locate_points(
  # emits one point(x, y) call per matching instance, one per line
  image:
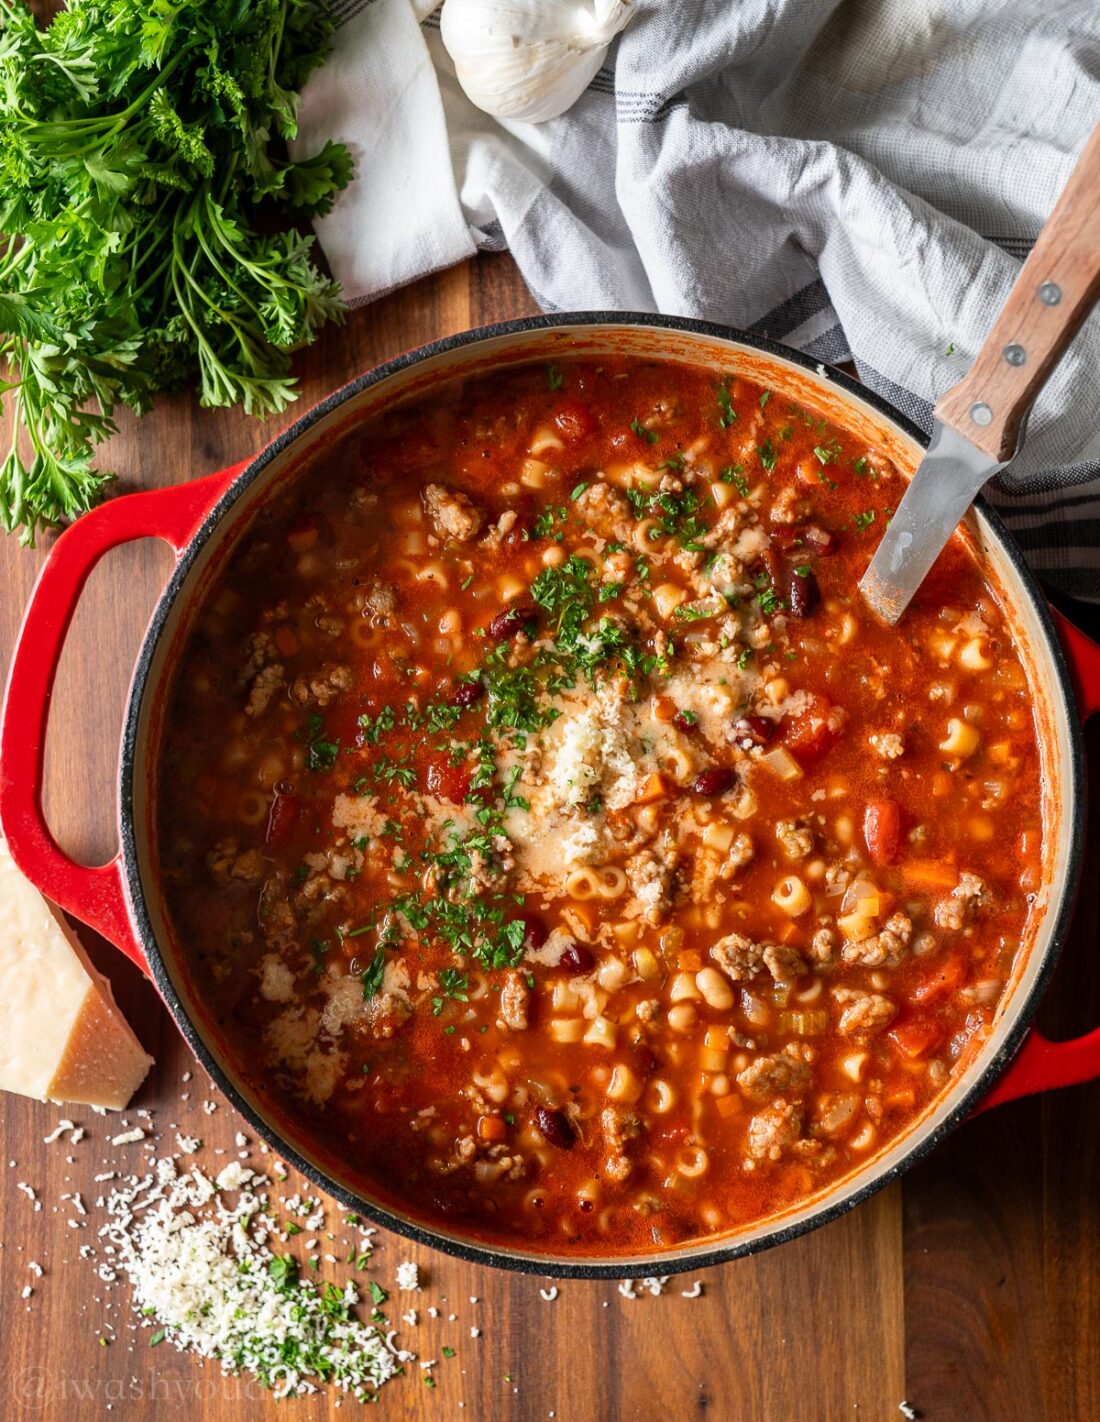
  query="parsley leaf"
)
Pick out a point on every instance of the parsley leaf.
point(734, 474)
point(727, 414)
point(372, 976)
point(138, 144)
point(320, 753)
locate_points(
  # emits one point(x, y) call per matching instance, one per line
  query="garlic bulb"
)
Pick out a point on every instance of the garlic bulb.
point(529, 59)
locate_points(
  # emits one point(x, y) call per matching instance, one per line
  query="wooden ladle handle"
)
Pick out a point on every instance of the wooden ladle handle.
point(1056, 289)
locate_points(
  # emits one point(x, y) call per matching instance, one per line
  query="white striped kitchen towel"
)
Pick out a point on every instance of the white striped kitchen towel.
point(857, 178)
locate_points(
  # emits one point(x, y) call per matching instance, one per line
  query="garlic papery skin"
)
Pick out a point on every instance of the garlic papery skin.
point(529, 59)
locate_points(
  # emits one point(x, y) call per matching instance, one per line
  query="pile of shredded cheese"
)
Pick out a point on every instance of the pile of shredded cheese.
point(204, 1274)
point(214, 1266)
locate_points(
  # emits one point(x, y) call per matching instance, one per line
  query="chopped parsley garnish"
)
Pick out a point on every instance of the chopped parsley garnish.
point(579, 490)
point(394, 772)
point(676, 514)
point(283, 1271)
point(543, 526)
point(320, 753)
point(802, 570)
point(374, 727)
point(371, 978)
point(744, 659)
point(826, 453)
point(727, 414)
point(734, 474)
point(767, 455)
point(688, 716)
point(466, 584)
point(377, 1293)
point(454, 985)
point(770, 602)
point(610, 591)
point(554, 378)
point(675, 462)
point(650, 436)
point(864, 519)
point(765, 396)
point(692, 614)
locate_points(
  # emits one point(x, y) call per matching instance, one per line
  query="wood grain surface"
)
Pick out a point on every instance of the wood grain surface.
point(971, 1290)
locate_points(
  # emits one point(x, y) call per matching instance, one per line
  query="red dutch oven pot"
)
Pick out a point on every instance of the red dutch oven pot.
point(203, 520)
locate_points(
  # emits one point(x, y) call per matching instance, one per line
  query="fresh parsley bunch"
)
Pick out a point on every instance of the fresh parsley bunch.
point(140, 142)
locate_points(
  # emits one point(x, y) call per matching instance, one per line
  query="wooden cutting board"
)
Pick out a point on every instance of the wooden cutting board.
point(971, 1290)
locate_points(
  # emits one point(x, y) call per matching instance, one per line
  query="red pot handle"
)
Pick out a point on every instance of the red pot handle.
point(1040, 1064)
point(96, 895)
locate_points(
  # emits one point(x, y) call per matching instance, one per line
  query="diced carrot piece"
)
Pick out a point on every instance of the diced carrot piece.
point(727, 1106)
point(301, 539)
point(655, 788)
point(903, 1098)
point(942, 979)
point(491, 1128)
point(286, 641)
point(789, 933)
point(929, 873)
point(689, 961)
point(915, 1037)
point(942, 783)
point(664, 708)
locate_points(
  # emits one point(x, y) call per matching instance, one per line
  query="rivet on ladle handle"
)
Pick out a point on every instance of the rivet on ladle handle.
point(1057, 288)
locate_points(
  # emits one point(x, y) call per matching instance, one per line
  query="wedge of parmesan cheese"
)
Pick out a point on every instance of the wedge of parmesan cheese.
point(61, 1036)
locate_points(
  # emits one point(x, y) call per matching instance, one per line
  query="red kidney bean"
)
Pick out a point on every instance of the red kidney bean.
point(685, 723)
point(510, 621)
point(715, 780)
point(535, 932)
point(757, 730)
point(465, 693)
point(576, 958)
point(882, 831)
point(770, 564)
point(555, 1126)
point(803, 593)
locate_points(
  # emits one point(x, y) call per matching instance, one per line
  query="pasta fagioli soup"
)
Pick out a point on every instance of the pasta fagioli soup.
point(556, 835)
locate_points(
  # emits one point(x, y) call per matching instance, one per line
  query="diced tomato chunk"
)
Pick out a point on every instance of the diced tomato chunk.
point(452, 782)
point(943, 978)
point(916, 1036)
point(882, 831)
point(574, 420)
point(282, 818)
point(812, 731)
